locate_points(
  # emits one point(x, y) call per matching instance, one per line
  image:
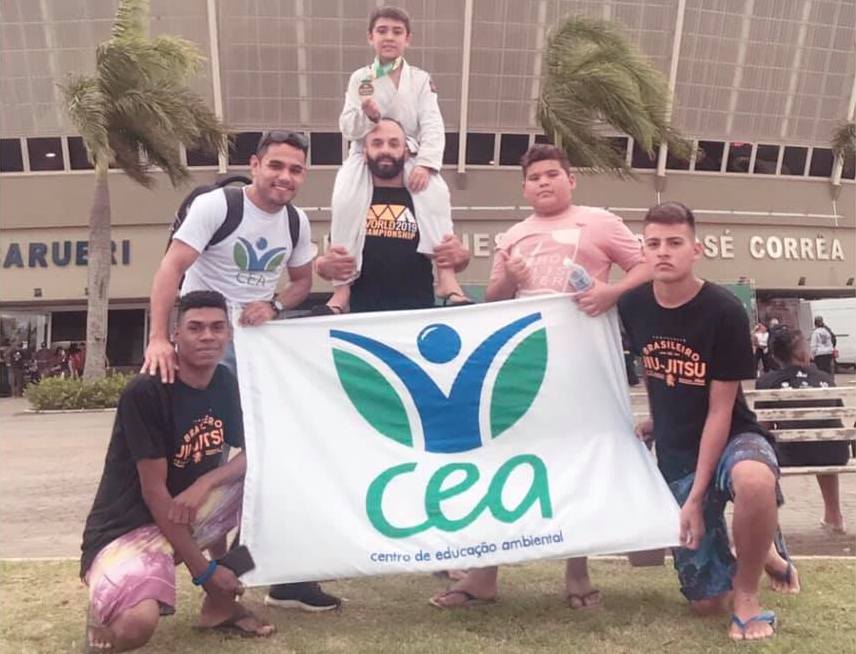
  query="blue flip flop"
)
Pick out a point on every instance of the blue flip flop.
point(765, 616)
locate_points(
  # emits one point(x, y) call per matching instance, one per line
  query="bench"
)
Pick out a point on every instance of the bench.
point(846, 414)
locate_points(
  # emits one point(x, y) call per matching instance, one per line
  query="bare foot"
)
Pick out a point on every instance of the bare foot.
point(453, 575)
point(579, 591)
point(784, 577)
point(99, 638)
point(836, 527)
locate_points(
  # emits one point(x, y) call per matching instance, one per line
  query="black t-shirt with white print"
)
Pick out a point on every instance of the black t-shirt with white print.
point(184, 425)
point(683, 350)
point(394, 275)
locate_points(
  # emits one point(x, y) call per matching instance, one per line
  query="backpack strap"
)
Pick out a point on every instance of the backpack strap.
point(234, 214)
point(293, 225)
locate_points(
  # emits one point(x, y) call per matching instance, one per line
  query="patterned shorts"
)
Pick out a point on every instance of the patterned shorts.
point(139, 565)
point(707, 571)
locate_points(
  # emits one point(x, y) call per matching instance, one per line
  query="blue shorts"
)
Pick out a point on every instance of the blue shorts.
point(707, 571)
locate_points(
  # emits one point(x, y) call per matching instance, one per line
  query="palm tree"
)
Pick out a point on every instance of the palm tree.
point(593, 77)
point(844, 140)
point(133, 112)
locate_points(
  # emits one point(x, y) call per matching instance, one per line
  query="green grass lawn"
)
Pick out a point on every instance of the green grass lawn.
point(43, 605)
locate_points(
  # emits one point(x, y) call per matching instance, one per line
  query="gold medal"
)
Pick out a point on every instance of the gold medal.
point(366, 90)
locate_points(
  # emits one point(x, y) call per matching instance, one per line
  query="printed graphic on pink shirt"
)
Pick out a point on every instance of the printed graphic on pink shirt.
point(545, 254)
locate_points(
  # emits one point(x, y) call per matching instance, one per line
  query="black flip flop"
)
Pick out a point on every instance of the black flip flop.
point(469, 600)
point(230, 625)
point(447, 303)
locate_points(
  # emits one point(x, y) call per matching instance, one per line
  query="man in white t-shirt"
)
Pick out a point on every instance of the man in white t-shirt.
point(245, 267)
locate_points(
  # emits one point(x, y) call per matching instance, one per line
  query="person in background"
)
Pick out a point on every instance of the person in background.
point(823, 344)
point(774, 328)
point(792, 351)
point(17, 358)
point(75, 361)
point(761, 342)
point(44, 360)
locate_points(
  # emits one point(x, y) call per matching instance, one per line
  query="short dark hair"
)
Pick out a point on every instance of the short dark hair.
point(785, 344)
point(391, 13)
point(544, 152)
point(201, 300)
point(294, 139)
point(818, 321)
point(671, 213)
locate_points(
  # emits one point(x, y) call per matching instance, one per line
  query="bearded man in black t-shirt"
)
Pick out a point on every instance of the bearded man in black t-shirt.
point(164, 496)
point(394, 275)
point(693, 339)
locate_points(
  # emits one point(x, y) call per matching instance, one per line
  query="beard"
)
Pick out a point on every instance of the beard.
point(385, 166)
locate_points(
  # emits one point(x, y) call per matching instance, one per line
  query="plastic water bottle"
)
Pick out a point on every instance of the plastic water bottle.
point(578, 278)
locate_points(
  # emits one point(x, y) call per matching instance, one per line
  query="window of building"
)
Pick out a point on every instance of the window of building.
point(326, 148)
point(543, 138)
point(68, 326)
point(849, 169)
point(480, 149)
point(766, 159)
point(739, 155)
point(450, 154)
point(511, 148)
point(619, 143)
point(11, 157)
point(821, 162)
point(45, 153)
point(677, 162)
point(197, 157)
point(125, 337)
point(793, 160)
point(641, 159)
point(243, 146)
point(709, 155)
point(77, 154)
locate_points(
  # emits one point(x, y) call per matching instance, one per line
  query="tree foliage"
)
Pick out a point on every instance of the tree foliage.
point(844, 140)
point(136, 109)
point(594, 78)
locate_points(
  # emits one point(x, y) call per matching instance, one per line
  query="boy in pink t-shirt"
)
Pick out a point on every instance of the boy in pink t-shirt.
point(531, 256)
point(531, 259)
point(593, 238)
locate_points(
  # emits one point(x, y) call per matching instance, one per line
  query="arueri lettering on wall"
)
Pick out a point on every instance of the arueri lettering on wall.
point(60, 253)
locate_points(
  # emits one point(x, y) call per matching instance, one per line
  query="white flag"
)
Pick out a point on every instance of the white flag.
point(415, 441)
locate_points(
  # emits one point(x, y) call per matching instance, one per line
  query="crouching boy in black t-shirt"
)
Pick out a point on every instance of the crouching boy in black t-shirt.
point(164, 497)
point(694, 341)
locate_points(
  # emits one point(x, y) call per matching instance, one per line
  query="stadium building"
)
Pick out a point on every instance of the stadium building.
point(760, 85)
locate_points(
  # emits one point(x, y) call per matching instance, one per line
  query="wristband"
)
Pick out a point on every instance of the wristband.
point(205, 577)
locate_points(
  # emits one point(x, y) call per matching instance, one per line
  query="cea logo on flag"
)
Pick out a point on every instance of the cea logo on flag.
point(450, 423)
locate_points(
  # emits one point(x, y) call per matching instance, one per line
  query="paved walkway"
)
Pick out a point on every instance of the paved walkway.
point(50, 466)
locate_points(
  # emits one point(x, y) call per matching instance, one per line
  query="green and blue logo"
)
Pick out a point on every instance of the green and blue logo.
point(253, 258)
point(450, 422)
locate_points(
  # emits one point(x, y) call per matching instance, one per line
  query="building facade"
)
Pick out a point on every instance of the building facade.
point(760, 85)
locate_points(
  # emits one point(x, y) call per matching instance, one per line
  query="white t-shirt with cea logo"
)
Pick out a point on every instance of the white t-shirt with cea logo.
point(246, 265)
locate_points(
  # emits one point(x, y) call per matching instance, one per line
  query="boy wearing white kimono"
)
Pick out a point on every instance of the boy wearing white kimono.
point(391, 88)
